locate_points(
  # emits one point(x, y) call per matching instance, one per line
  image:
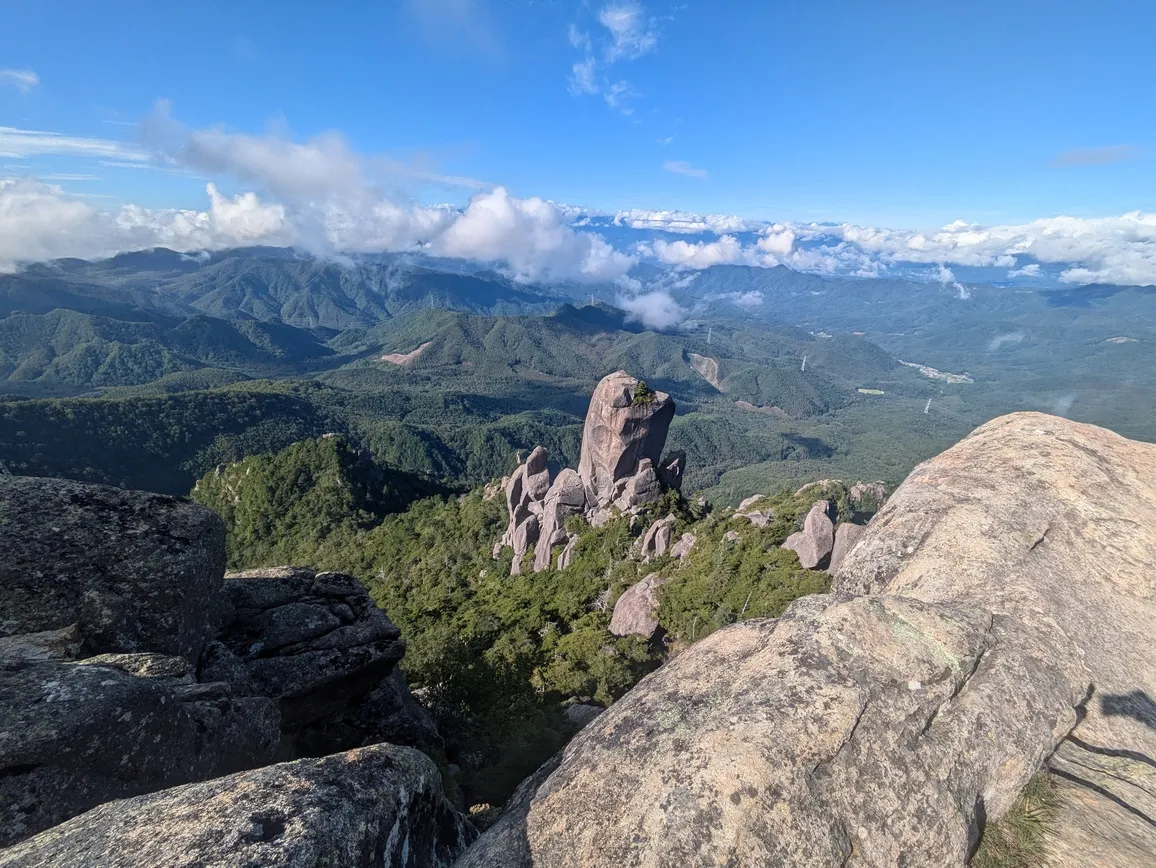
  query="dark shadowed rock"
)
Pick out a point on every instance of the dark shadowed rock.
point(134, 571)
point(74, 735)
point(846, 535)
point(1011, 593)
point(320, 647)
point(618, 433)
point(814, 542)
point(671, 470)
point(369, 808)
point(636, 611)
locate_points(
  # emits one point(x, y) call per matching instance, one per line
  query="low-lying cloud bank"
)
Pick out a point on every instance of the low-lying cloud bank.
point(322, 196)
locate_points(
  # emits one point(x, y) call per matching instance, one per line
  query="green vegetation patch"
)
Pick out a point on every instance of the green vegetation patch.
point(1018, 839)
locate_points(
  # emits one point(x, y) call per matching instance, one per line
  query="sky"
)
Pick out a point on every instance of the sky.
point(844, 137)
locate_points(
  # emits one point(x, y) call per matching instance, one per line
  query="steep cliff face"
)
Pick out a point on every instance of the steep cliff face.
point(995, 616)
point(624, 426)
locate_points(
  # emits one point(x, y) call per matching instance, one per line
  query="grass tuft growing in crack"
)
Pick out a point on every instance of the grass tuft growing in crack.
point(1017, 840)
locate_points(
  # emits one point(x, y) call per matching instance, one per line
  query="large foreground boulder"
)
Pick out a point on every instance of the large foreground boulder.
point(134, 571)
point(376, 807)
point(1010, 591)
point(74, 735)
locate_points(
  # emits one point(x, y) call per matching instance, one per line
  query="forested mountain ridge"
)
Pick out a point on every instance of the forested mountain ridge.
point(186, 361)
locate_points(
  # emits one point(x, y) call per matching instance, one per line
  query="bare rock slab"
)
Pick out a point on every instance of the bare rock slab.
point(1007, 593)
point(135, 571)
point(368, 808)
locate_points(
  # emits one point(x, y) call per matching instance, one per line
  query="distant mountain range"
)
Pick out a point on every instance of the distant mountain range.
point(448, 369)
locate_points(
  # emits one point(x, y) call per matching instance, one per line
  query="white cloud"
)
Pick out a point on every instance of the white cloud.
point(20, 143)
point(1005, 340)
point(39, 221)
point(21, 79)
point(318, 195)
point(728, 250)
point(1031, 270)
point(655, 309)
point(1095, 156)
point(627, 34)
point(631, 31)
point(533, 236)
point(582, 78)
point(778, 240)
point(682, 167)
point(682, 221)
point(751, 299)
point(617, 96)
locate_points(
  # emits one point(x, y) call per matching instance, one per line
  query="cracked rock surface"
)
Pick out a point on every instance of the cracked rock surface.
point(375, 807)
point(998, 608)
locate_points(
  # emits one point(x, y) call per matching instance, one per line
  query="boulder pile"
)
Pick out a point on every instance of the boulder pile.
point(619, 470)
point(129, 664)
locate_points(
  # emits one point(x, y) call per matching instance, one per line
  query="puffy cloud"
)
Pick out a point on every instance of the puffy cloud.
point(533, 236)
point(778, 240)
point(21, 79)
point(682, 167)
point(1031, 270)
point(655, 309)
point(728, 250)
point(319, 195)
point(38, 221)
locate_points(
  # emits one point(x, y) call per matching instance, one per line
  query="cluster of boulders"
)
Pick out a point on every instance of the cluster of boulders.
point(129, 664)
point(995, 618)
point(619, 471)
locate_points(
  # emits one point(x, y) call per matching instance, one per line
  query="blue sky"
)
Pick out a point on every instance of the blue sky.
point(893, 114)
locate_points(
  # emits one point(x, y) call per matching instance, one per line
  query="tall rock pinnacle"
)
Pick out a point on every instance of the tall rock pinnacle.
point(623, 427)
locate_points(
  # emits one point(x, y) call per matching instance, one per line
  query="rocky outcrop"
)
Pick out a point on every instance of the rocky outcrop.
point(684, 546)
point(636, 612)
point(318, 646)
point(759, 516)
point(1007, 596)
point(525, 491)
point(846, 535)
point(368, 808)
point(622, 428)
point(655, 542)
point(564, 498)
point(618, 469)
point(74, 735)
point(133, 571)
point(146, 669)
point(813, 544)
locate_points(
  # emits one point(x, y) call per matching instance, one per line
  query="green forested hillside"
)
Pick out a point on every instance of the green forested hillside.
point(496, 657)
